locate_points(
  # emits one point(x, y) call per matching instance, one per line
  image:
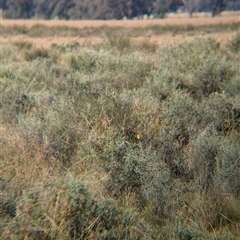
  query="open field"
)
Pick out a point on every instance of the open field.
point(172, 20)
point(161, 40)
point(175, 29)
point(120, 129)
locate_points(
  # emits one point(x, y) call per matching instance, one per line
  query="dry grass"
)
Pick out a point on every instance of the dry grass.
point(172, 20)
point(169, 38)
point(125, 126)
point(161, 40)
point(47, 42)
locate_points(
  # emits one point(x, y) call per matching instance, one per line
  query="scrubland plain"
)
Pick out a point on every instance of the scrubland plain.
point(172, 20)
point(120, 129)
point(169, 26)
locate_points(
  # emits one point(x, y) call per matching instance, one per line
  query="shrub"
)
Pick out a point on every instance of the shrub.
point(232, 87)
point(146, 46)
point(23, 45)
point(15, 99)
point(183, 231)
point(203, 153)
point(63, 208)
point(33, 54)
point(227, 169)
point(204, 71)
point(132, 168)
point(120, 72)
point(234, 44)
point(219, 111)
point(126, 138)
point(119, 41)
point(8, 53)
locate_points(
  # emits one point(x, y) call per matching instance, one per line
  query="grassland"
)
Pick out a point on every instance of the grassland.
point(172, 20)
point(171, 30)
point(111, 133)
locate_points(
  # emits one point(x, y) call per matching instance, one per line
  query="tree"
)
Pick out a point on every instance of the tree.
point(141, 7)
point(192, 6)
point(108, 9)
point(161, 7)
point(175, 4)
point(18, 8)
point(218, 6)
point(3, 4)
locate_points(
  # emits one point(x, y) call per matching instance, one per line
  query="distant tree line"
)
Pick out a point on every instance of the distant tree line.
point(108, 9)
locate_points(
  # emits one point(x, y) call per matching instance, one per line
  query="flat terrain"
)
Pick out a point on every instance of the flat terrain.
point(116, 130)
point(172, 20)
point(162, 40)
point(168, 38)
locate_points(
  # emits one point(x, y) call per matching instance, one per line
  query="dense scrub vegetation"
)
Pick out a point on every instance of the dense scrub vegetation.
point(120, 140)
point(108, 9)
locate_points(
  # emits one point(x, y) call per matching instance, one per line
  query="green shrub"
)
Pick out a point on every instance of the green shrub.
point(64, 209)
point(220, 111)
point(85, 62)
point(126, 135)
point(227, 168)
point(8, 53)
point(146, 46)
point(234, 44)
point(73, 46)
point(132, 168)
point(15, 97)
point(204, 71)
point(33, 54)
point(184, 231)
point(23, 44)
point(14, 30)
point(120, 72)
point(203, 153)
point(232, 87)
point(119, 41)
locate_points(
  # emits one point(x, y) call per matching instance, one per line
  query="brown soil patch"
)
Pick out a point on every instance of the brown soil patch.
point(172, 20)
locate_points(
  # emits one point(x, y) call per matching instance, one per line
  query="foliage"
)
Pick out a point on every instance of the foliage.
point(119, 140)
point(105, 9)
point(66, 210)
point(234, 44)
